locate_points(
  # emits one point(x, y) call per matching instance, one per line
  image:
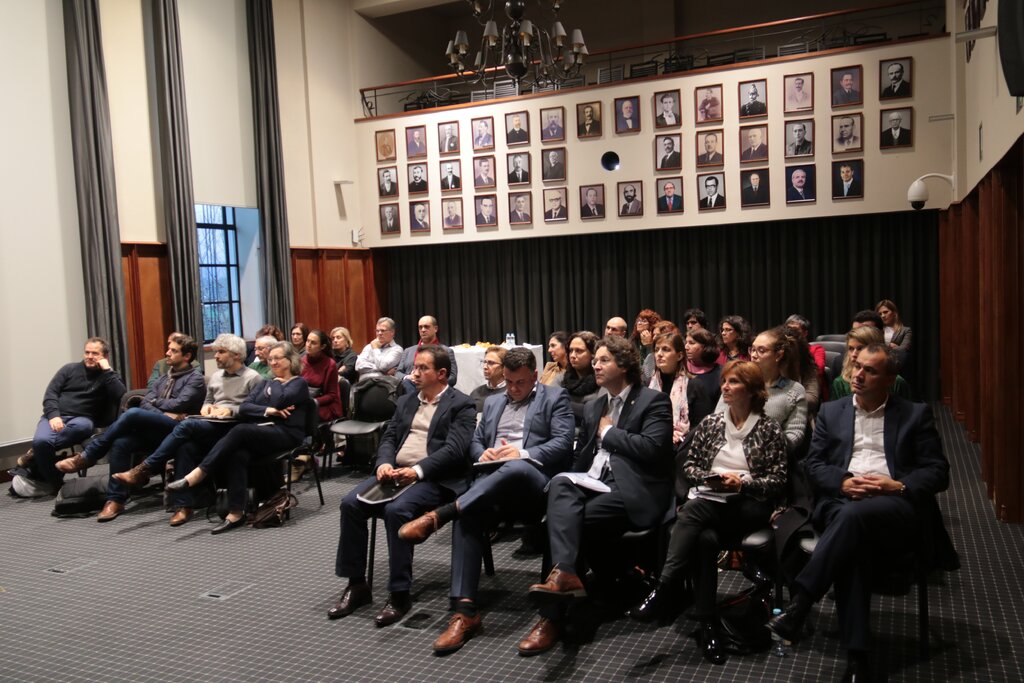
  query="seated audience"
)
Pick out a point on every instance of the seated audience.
point(427, 328)
point(494, 377)
point(733, 339)
point(530, 426)
point(265, 331)
point(558, 350)
point(177, 394)
point(80, 397)
point(343, 353)
point(801, 327)
point(160, 367)
point(647, 366)
point(298, 337)
point(427, 442)
point(694, 318)
point(897, 335)
point(865, 318)
point(380, 356)
point(857, 340)
point(701, 349)
point(735, 475)
point(804, 370)
point(282, 401)
point(615, 327)
point(321, 375)
point(643, 332)
point(262, 348)
point(579, 378)
point(671, 378)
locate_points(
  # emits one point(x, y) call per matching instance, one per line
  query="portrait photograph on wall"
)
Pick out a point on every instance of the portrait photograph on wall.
point(591, 201)
point(753, 98)
point(419, 216)
point(483, 172)
point(518, 167)
point(448, 137)
point(848, 179)
point(520, 208)
point(517, 128)
point(710, 147)
point(670, 195)
point(800, 184)
point(556, 204)
point(387, 185)
point(799, 138)
point(553, 120)
point(707, 104)
point(417, 174)
point(452, 210)
point(451, 175)
point(896, 77)
point(588, 120)
point(630, 194)
point(667, 113)
point(483, 133)
point(416, 142)
point(486, 209)
point(755, 187)
point(847, 86)
point(667, 156)
point(627, 115)
point(387, 150)
point(799, 91)
point(847, 133)
point(390, 222)
point(710, 191)
point(753, 143)
point(897, 126)
point(553, 163)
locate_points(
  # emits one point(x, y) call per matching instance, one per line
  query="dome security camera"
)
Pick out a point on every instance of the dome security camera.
point(917, 194)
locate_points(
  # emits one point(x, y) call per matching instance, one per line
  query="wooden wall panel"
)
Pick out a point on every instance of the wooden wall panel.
point(336, 287)
point(147, 282)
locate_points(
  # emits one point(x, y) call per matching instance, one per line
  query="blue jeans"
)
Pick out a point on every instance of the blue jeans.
point(47, 442)
point(137, 430)
point(204, 433)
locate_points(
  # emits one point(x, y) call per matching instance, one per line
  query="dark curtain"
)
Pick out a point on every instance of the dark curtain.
point(176, 170)
point(278, 305)
point(94, 180)
point(825, 268)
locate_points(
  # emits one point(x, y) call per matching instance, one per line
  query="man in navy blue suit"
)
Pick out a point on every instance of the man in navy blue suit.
point(426, 442)
point(876, 464)
point(529, 427)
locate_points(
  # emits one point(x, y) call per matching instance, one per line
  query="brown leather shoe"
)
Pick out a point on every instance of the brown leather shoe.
point(26, 458)
point(394, 609)
point(461, 628)
point(354, 597)
point(560, 584)
point(181, 516)
point(419, 529)
point(110, 511)
point(544, 635)
point(136, 477)
point(73, 464)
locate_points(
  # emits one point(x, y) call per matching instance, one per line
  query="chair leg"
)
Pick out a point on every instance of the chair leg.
point(316, 478)
point(488, 556)
point(373, 549)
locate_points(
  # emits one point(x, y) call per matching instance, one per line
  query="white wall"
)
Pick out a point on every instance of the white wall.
point(41, 294)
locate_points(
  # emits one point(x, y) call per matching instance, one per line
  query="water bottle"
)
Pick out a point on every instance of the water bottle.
point(779, 646)
point(508, 339)
point(512, 338)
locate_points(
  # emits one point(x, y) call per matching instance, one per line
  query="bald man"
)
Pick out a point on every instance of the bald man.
point(427, 328)
point(615, 327)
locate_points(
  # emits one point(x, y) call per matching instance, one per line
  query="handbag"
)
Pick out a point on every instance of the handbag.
point(273, 511)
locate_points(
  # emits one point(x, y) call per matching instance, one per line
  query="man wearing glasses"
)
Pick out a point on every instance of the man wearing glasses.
point(382, 355)
point(427, 327)
point(494, 377)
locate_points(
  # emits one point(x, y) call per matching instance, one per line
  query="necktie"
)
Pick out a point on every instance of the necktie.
point(601, 459)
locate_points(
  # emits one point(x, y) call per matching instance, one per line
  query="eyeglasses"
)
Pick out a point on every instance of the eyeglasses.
point(759, 350)
point(489, 363)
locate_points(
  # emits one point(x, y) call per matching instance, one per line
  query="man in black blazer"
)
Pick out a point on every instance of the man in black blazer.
point(620, 480)
point(529, 426)
point(756, 192)
point(846, 184)
point(426, 442)
point(896, 135)
point(876, 464)
point(670, 157)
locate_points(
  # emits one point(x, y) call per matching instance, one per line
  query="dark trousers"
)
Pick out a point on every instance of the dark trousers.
point(137, 430)
point(516, 487)
point(204, 433)
point(352, 544)
point(47, 442)
point(701, 528)
point(854, 536)
point(237, 449)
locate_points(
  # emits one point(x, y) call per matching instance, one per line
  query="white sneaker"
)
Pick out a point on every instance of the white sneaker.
point(31, 488)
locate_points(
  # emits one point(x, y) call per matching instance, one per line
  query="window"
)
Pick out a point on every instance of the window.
point(217, 238)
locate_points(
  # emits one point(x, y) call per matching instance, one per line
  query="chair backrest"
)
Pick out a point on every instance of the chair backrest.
point(375, 402)
point(131, 399)
point(837, 346)
point(831, 337)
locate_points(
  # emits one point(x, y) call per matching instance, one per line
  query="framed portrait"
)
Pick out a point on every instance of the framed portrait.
point(667, 156)
point(517, 128)
point(848, 179)
point(799, 92)
point(553, 164)
point(847, 133)
point(417, 177)
point(387, 181)
point(895, 77)
point(387, 150)
point(753, 143)
point(419, 216)
point(800, 184)
point(710, 147)
point(799, 138)
point(520, 208)
point(451, 175)
point(847, 86)
point(448, 137)
point(753, 98)
point(518, 166)
point(486, 208)
point(630, 196)
point(483, 133)
point(627, 115)
point(451, 210)
point(556, 205)
point(588, 120)
point(710, 191)
point(390, 220)
point(667, 112)
point(670, 195)
point(707, 104)
point(591, 201)
point(483, 172)
point(553, 120)
point(416, 142)
point(755, 187)
point(897, 127)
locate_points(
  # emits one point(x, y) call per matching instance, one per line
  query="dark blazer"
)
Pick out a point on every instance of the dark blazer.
point(512, 177)
point(640, 448)
point(889, 92)
point(556, 172)
point(887, 140)
point(454, 184)
point(447, 438)
point(717, 203)
point(755, 108)
point(514, 135)
point(749, 196)
point(484, 220)
point(842, 97)
point(548, 428)
point(855, 189)
point(793, 196)
point(555, 132)
point(676, 203)
point(710, 159)
point(271, 393)
point(750, 153)
point(385, 192)
point(596, 212)
point(595, 128)
point(418, 185)
point(672, 160)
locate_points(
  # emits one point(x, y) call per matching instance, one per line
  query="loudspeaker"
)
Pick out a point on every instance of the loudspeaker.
point(1011, 44)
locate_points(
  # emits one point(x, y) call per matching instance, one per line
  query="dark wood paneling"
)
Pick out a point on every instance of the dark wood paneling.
point(147, 282)
point(336, 287)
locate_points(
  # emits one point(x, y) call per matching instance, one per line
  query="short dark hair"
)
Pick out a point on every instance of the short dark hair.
point(750, 374)
point(104, 344)
point(519, 357)
point(325, 341)
point(695, 313)
point(705, 338)
point(187, 344)
point(869, 316)
point(624, 354)
point(439, 356)
point(892, 364)
point(589, 340)
point(800, 320)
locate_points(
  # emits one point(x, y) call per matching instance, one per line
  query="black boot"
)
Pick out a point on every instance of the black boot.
point(711, 647)
point(790, 624)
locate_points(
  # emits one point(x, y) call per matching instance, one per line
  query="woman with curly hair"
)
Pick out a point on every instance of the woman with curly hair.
point(733, 339)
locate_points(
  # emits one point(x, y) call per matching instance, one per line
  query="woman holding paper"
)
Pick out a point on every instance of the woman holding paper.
point(735, 473)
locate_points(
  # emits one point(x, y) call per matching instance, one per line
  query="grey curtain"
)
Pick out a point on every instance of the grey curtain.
point(176, 170)
point(94, 180)
point(276, 257)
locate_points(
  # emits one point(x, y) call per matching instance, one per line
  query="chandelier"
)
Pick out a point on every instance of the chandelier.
point(529, 54)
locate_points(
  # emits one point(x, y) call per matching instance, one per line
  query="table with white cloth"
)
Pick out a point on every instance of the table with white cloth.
point(471, 359)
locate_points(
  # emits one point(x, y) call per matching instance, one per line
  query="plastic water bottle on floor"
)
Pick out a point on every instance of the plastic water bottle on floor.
point(779, 646)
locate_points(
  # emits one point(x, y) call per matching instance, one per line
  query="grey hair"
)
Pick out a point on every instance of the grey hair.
point(388, 321)
point(232, 344)
point(268, 339)
point(290, 355)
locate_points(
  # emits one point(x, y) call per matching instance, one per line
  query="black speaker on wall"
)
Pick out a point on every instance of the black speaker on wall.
point(1011, 44)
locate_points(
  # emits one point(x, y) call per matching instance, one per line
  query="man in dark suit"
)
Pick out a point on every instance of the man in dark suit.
point(626, 119)
point(529, 426)
point(757, 150)
point(417, 147)
point(554, 167)
point(417, 183)
point(554, 130)
point(519, 213)
point(623, 465)
point(753, 106)
point(631, 204)
point(711, 155)
point(799, 190)
point(590, 125)
point(558, 211)
point(486, 215)
point(418, 217)
point(426, 442)
point(388, 188)
point(876, 464)
point(516, 133)
point(590, 208)
point(518, 175)
point(484, 176)
point(712, 198)
point(670, 157)
point(846, 94)
point(896, 135)
point(670, 201)
point(897, 86)
point(756, 192)
point(846, 184)
point(449, 140)
point(450, 181)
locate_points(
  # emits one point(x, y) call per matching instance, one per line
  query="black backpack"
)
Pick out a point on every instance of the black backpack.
point(81, 496)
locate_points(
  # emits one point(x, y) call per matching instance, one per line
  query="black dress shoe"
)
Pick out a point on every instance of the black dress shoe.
point(228, 526)
point(857, 670)
point(664, 602)
point(354, 597)
point(711, 648)
point(790, 624)
point(394, 609)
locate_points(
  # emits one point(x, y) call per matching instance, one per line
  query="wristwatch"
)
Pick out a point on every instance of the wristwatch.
point(902, 490)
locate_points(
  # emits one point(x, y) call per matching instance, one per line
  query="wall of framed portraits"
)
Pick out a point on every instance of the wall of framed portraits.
point(841, 133)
